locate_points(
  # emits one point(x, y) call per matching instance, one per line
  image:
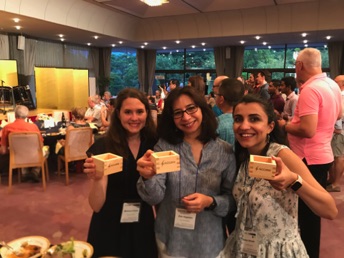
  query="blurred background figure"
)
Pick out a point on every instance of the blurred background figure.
point(197, 82)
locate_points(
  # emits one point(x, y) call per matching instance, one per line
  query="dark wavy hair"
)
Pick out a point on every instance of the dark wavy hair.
point(276, 135)
point(116, 136)
point(168, 130)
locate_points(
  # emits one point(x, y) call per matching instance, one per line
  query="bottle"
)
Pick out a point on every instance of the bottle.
point(63, 120)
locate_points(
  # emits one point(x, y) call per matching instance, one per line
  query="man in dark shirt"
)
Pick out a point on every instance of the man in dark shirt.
point(276, 97)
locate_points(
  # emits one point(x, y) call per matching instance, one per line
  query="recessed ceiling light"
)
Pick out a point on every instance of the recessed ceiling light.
point(242, 42)
point(269, 47)
point(328, 37)
point(193, 46)
point(120, 42)
point(61, 35)
point(305, 41)
point(145, 43)
point(18, 27)
point(16, 20)
point(257, 37)
point(88, 44)
point(113, 45)
point(142, 46)
point(177, 41)
point(304, 34)
point(164, 47)
point(203, 43)
point(204, 49)
point(177, 50)
point(264, 43)
point(306, 45)
point(96, 37)
point(62, 39)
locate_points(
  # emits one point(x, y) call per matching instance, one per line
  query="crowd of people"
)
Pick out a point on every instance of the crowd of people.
point(211, 206)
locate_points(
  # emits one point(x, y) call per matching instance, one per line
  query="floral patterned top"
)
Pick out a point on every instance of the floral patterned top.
point(270, 213)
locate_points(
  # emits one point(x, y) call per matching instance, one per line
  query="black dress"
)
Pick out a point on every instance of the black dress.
point(107, 235)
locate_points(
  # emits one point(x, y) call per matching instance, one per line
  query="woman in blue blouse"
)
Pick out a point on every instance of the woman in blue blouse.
point(192, 201)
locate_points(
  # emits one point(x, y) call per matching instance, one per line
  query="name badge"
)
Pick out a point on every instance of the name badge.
point(249, 243)
point(130, 212)
point(184, 219)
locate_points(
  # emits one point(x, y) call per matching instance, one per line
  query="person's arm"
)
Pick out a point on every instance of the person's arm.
point(306, 128)
point(97, 195)
point(311, 192)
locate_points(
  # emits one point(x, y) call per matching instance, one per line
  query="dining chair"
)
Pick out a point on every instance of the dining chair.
point(26, 150)
point(78, 140)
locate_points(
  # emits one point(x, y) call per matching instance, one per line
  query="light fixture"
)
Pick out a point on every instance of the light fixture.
point(142, 46)
point(146, 43)
point(113, 45)
point(305, 41)
point(62, 39)
point(177, 41)
point(61, 35)
point(304, 34)
point(242, 42)
point(120, 42)
point(16, 20)
point(18, 27)
point(164, 47)
point(193, 46)
point(264, 43)
point(306, 45)
point(88, 44)
point(257, 37)
point(328, 37)
point(203, 43)
point(96, 37)
point(155, 2)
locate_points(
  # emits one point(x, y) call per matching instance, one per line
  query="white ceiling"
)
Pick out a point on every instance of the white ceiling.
point(157, 25)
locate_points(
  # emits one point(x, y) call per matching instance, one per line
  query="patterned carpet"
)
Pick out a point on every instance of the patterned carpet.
point(63, 212)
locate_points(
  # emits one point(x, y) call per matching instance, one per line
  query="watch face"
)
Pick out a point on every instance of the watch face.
point(296, 186)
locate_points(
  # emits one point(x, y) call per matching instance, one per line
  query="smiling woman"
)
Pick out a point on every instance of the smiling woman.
point(113, 197)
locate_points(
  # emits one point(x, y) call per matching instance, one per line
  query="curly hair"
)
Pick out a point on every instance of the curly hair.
point(167, 128)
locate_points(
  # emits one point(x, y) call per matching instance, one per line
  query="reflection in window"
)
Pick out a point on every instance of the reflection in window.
point(170, 59)
point(124, 71)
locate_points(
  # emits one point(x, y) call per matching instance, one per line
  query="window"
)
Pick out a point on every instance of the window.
point(124, 71)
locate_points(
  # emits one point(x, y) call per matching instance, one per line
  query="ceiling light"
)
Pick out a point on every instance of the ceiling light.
point(177, 41)
point(204, 49)
point(305, 41)
point(142, 46)
point(62, 39)
point(146, 43)
point(120, 42)
point(113, 45)
point(164, 47)
point(304, 34)
point(154, 2)
point(61, 35)
point(242, 42)
point(18, 27)
point(177, 50)
point(203, 44)
point(257, 37)
point(269, 47)
point(328, 37)
point(264, 43)
point(16, 20)
point(96, 37)
point(306, 45)
point(88, 44)
point(193, 46)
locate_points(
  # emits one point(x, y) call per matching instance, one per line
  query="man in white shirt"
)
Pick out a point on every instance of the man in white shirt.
point(92, 114)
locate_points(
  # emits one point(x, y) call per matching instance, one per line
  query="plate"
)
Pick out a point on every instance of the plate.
point(79, 247)
point(43, 242)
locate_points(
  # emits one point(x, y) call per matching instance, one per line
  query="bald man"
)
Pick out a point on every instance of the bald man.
point(337, 143)
point(310, 133)
point(216, 86)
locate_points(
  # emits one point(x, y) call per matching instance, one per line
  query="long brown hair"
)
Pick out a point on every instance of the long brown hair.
point(116, 136)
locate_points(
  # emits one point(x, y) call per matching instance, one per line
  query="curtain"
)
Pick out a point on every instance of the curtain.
point(146, 61)
point(94, 59)
point(140, 58)
point(4, 47)
point(220, 60)
point(336, 58)
point(236, 61)
point(107, 61)
point(49, 54)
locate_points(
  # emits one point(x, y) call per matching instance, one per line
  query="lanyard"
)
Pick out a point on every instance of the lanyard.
point(180, 176)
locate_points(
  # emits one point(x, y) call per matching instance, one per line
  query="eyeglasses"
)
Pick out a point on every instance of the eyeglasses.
point(189, 110)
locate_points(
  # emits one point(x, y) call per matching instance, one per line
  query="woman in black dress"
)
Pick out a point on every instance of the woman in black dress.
point(131, 134)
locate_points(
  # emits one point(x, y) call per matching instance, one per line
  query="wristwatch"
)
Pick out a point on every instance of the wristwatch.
point(296, 185)
point(212, 206)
